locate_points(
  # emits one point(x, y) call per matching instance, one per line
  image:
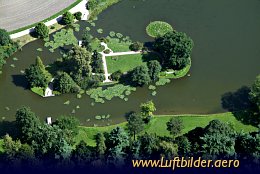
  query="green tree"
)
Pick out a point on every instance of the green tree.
point(255, 92)
point(184, 145)
point(37, 75)
point(70, 126)
point(78, 62)
point(87, 40)
point(11, 148)
point(116, 143)
point(26, 154)
point(175, 48)
point(4, 37)
point(82, 154)
point(68, 18)
point(97, 63)
point(41, 30)
point(218, 140)
point(135, 124)
point(147, 108)
point(50, 141)
point(27, 123)
point(116, 75)
point(175, 126)
point(78, 15)
point(148, 145)
point(136, 46)
point(65, 84)
point(168, 149)
point(154, 69)
point(140, 76)
point(101, 146)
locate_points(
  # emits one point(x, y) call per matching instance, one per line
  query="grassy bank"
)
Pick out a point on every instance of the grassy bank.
point(97, 7)
point(158, 125)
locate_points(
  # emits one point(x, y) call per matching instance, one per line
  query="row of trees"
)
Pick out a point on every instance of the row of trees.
point(7, 46)
point(39, 144)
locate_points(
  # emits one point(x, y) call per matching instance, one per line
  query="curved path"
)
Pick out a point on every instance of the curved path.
point(15, 14)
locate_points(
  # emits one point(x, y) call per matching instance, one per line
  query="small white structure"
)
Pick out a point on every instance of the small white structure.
point(49, 120)
point(80, 43)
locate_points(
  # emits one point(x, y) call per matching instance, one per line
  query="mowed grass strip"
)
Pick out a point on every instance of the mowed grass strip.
point(158, 125)
point(124, 63)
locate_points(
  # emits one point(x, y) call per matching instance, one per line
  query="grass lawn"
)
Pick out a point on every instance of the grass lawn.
point(123, 63)
point(178, 74)
point(118, 46)
point(38, 91)
point(158, 125)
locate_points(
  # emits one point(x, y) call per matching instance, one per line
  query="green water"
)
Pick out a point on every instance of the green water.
point(226, 56)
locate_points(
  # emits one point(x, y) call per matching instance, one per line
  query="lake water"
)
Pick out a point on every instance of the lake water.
point(226, 57)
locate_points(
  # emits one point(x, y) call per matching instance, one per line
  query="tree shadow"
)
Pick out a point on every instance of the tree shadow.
point(9, 127)
point(239, 104)
point(20, 81)
point(151, 56)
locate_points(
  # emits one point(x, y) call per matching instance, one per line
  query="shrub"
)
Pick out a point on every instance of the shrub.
point(116, 75)
point(107, 51)
point(136, 46)
point(78, 15)
point(67, 18)
point(41, 30)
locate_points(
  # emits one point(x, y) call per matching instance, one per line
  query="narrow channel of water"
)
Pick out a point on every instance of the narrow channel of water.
point(226, 56)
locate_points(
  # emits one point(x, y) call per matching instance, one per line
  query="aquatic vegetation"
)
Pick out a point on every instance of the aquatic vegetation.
point(39, 49)
point(162, 81)
point(158, 28)
point(66, 102)
point(100, 95)
point(112, 34)
point(152, 87)
point(15, 59)
point(61, 38)
point(100, 30)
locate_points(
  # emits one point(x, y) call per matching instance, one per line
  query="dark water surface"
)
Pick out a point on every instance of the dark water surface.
point(226, 56)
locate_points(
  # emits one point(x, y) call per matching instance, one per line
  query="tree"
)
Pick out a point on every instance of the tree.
point(27, 123)
point(37, 75)
point(175, 48)
point(136, 46)
point(140, 76)
point(218, 140)
point(101, 146)
point(147, 108)
point(82, 154)
point(175, 126)
point(65, 84)
point(184, 145)
point(116, 143)
point(116, 75)
point(86, 41)
point(97, 63)
point(70, 126)
point(255, 92)
point(50, 141)
point(78, 15)
point(148, 145)
point(78, 63)
point(168, 149)
point(11, 148)
point(154, 69)
point(4, 37)
point(68, 18)
point(41, 30)
point(245, 145)
point(135, 124)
